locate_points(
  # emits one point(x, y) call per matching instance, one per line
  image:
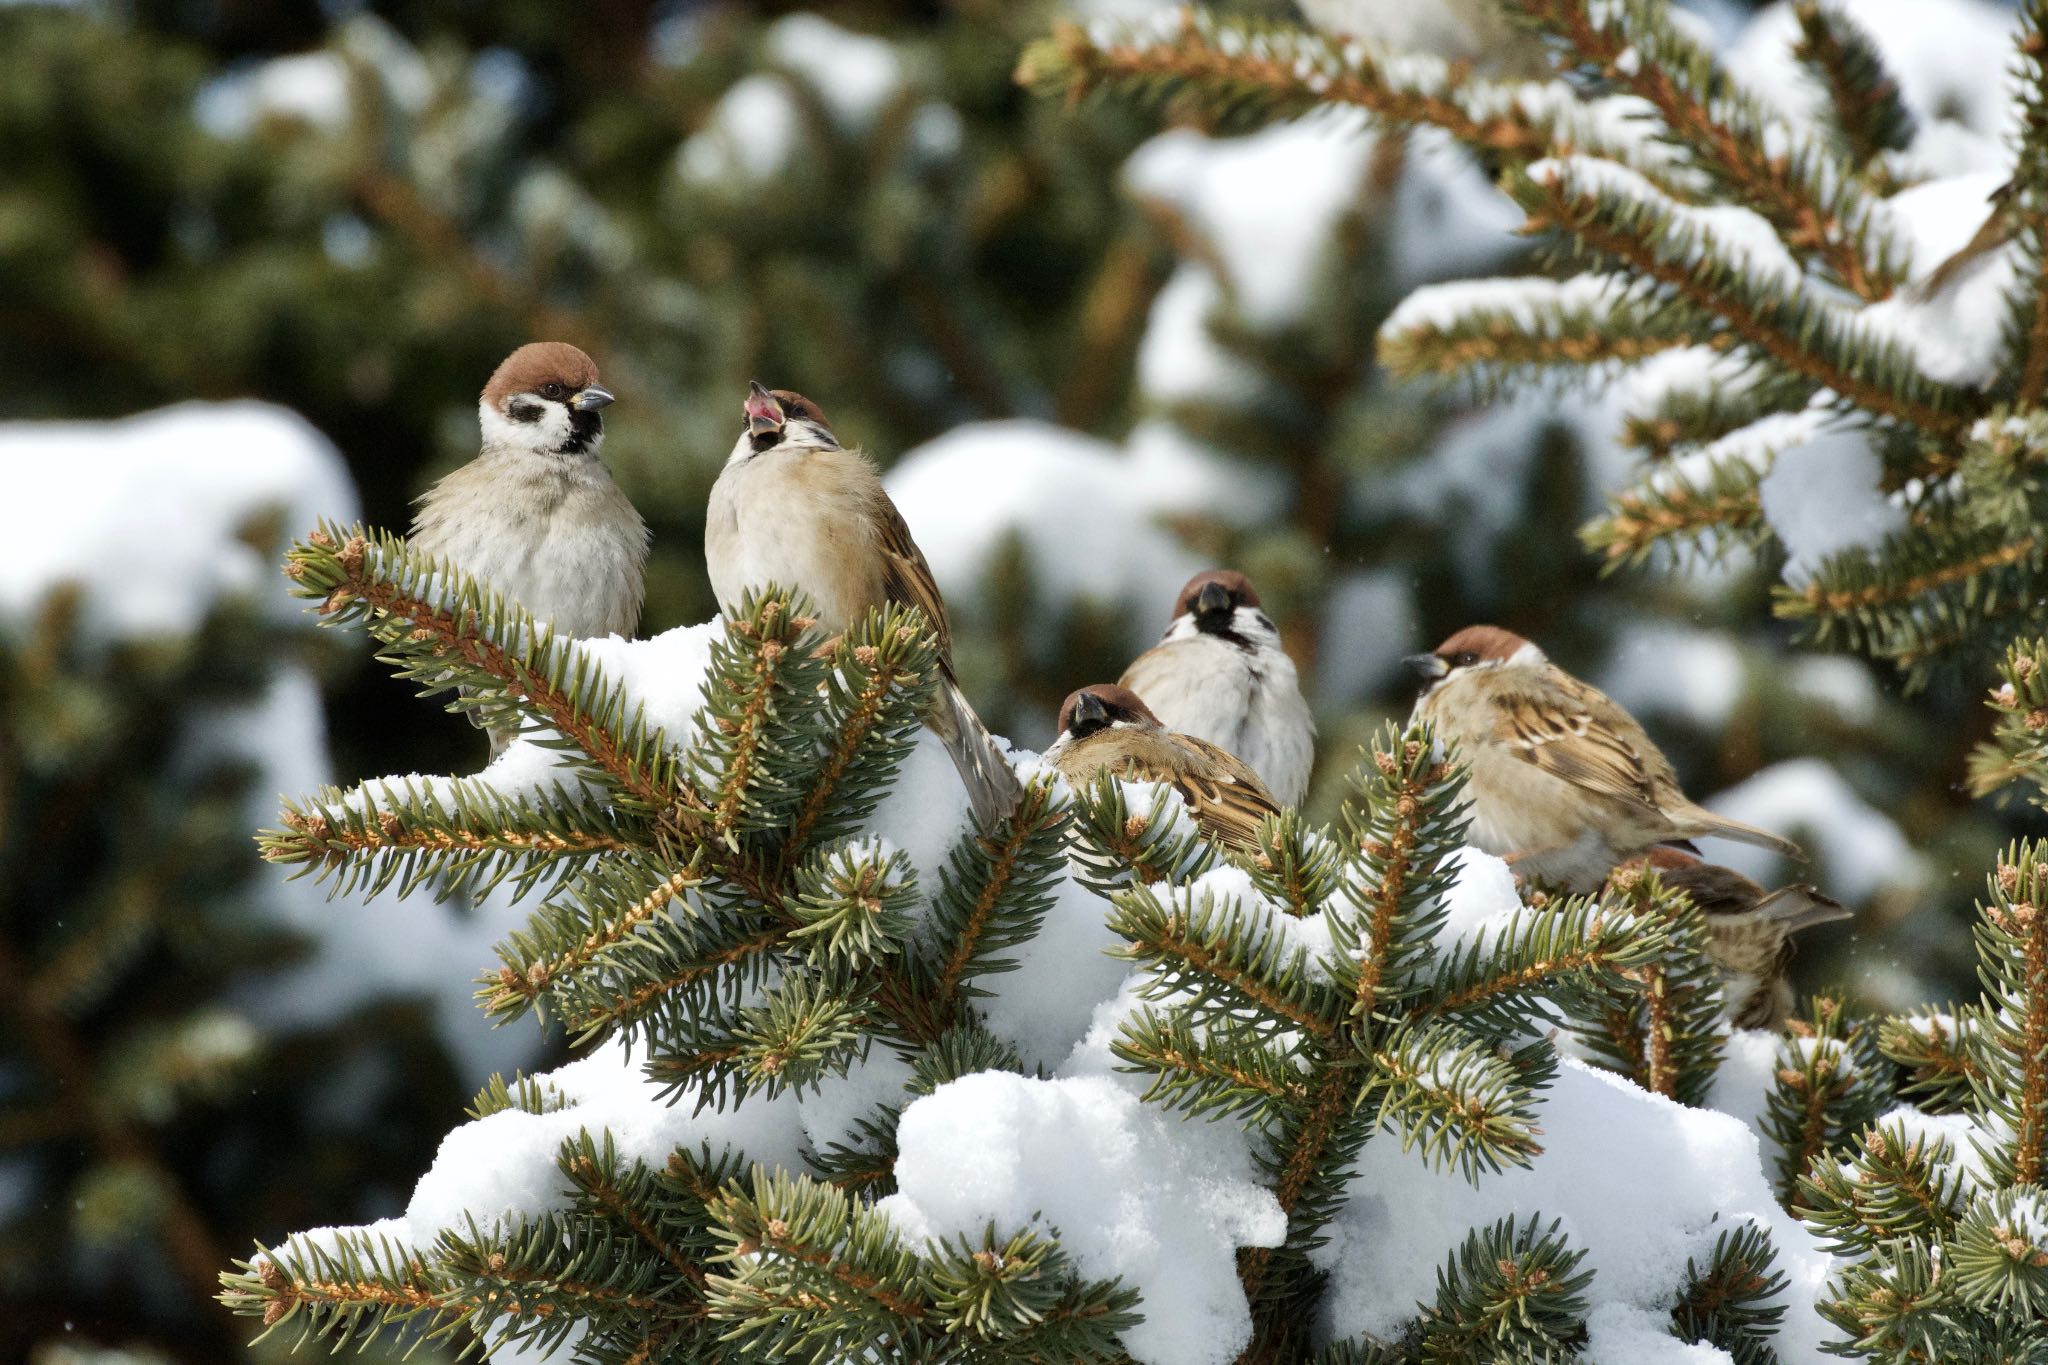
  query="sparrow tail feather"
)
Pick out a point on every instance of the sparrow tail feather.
point(992, 787)
point(1800, 907)
point(1714, 826)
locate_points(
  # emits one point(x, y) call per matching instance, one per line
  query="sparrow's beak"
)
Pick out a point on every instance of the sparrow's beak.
point(1212, 600)
point(592, 397)
point(1089, 710)
point(764, 414)
point(1426, 666)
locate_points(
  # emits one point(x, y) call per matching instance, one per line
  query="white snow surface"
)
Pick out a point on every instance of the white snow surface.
point(1638, 1182)
point(1087, 1159)
point(749, 136)
point(141, 514)
point(1823, 498)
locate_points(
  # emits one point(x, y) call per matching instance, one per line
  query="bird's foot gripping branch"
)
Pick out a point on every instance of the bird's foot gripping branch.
point(841, 1085)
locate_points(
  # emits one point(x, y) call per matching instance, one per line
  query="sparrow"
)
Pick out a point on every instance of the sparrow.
point(1561, 782)
point(794, 507)
point(535, 516)
point(1107, 728)
point(1220, 675)
point(1749, 930)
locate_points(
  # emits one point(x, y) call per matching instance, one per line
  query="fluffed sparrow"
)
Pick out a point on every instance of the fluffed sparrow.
point(536, 516)
point(1220, 674)
point(1749, 930)
point(1562, 782)
point(795, 508)
point(1106, 728)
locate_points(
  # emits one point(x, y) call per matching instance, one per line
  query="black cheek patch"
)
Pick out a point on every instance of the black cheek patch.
point(524, 410)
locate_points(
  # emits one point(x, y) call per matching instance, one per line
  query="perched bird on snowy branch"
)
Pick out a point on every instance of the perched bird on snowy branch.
point(794, 507)
point(1564, 783)
point(536, 515)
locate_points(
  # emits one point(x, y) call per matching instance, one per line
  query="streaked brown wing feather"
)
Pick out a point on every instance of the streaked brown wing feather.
point(906, 577)
point(1569, 737)
point(1229, 802)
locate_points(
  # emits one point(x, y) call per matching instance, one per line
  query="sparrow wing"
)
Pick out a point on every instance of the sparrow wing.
point(1227, 798)
point(1575, 733)
point(906, 577)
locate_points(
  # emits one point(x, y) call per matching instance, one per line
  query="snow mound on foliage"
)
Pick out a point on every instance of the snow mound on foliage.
point(1088, 1161)
point(1637, 1182)
point(146, 515)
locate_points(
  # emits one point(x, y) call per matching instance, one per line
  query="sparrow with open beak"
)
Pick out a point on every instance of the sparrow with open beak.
point(794, 507)
point(536, 516)
point(1749, 930)
point(1220, 674)
point(1107, 728)
point(1562, 782)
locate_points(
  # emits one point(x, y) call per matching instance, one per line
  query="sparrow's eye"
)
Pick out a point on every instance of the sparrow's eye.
point(1464, 658)
point(552, 389)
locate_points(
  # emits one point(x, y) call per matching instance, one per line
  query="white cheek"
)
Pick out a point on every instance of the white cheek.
point(550, 432)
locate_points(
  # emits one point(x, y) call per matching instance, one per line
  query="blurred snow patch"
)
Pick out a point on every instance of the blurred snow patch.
point(1092, 518)
point(1856, 848)
point(1483, 897)
point(1638, 1182)
point(1179, 359)
point(311, 88)
point(1837, 683)
point(1129, 1190)
point(1822, 498)
point(748, 138)
point(1266, 203)
point(1663, 669)
point(853, 73)
point(145, 514)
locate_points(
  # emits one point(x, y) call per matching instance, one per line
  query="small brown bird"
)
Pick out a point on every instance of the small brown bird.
point(1220, 674)
point(795, 508)
point(536, 516)
point(1106, 728)
point(1563, 783)
point(1749, 930)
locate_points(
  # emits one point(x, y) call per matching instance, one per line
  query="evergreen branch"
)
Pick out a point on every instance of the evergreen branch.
point(1449, 1093)
point(1895, 1188)
point(1404, 820)
point(1998, 1260)
point(360, 1286)
point(2019, 211)
point(1608, 211)
point(551, 948)
point(1726, 1302)
point(1732, 393)
point(1513, 1291)
point(444, 629)
point(757, 750)
point(595, 1171)
point(1220, 1071)
point(1495, 333)
point(1295, 866)
point(1868, 111)
point(1939, 1054)
point(674, 976)
point(1217, 957)
point(1111, 846)
point(1244, 69)
point(2011, 1040)
point(993, 895)
point(455, 832)
point(1494, 981)
point(1807, 194)
point(2018, 748)
point(1924, 591)
point(1713, 504)
point(882, 675)
point(1829, 1085)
